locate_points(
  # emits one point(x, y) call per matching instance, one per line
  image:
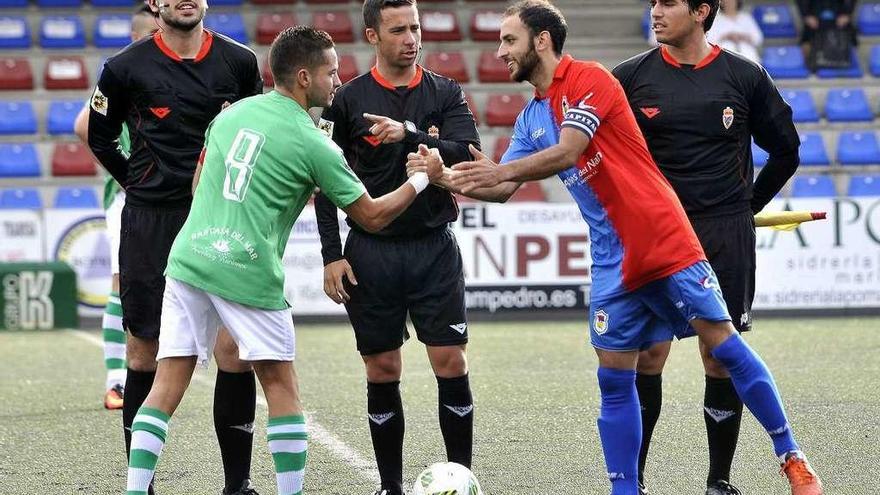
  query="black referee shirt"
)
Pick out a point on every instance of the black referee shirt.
point(437, 106)
point(167, 103)
point(698, 122)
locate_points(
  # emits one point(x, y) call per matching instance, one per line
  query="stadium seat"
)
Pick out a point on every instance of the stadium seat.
point(775, 21)
point(812, 150)
point(646, 23)
point(112, 31)
point(61, 115)
point(348, 68)
point(802, 105)
point(501, 145)
point(529, 191)
point(848, 105)
point(854, 71)
point(271, 2)
point(72, 159)
point(449, 64)
point(20, 198)
point(440, 25)
point(785, 62)
point(233, 3)
point(62, 32)
point(13, 3)
point(868, 19)
point(759, 156)
point(16, 74)
point(15, 32)
point(65, 73)
point(326, 1)
point(502, 109)
point(229, 24)
point(111, 3)
point(76, 197)
point(813, 186)
point(491, 68)
point(473, 107)
point(338, 24)
point(269, 25)
point(864, 185)
point(17, 117)
point(486, 25)
point(874, 61)
point(858, 148)
point(19, 160)
point(59, 3)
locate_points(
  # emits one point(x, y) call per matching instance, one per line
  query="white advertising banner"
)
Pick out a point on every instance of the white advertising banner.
point(21, 236)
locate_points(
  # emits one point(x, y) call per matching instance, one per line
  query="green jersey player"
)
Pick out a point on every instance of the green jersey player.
point(263, 157)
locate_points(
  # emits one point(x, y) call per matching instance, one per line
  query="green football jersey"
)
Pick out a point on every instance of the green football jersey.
point(110, 185)
point(264, 156)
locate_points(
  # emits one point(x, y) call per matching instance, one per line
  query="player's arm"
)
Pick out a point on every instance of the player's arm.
point(81, 125)
point(772, 126)
point(107, 109)
point(198, 173)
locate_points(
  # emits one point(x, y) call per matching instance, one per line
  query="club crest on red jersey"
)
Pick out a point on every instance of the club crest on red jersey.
point(565, 105)
point(727, 117)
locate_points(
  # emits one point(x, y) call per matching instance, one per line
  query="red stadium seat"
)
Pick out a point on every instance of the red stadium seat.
point(449, 64)
point(492, 69)
point(501, 145)
point(502, 109)
point(348, 68)
point(337, 23)
point(65, 72)
point(440, 25)
point(16, 73)
point(72, 159)
point(272, 2)
point(529, 191)
point(266, 72)
point(269, 25)
point(327, 1)
point(486, 25)
point(473, 107)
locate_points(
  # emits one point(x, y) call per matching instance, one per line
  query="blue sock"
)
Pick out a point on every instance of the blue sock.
point(756, 388)
point(620, 428)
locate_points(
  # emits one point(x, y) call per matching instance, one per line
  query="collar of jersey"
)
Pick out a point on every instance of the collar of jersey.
point(668, 58)
point(207, 41)
point(415, 81)
point(558, 75)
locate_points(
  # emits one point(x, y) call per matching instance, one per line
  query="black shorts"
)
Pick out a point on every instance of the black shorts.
point(422, 276)
point(144, 243)
point(729, 243)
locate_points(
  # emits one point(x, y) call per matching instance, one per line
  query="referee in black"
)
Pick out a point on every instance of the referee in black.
point(414, 265)
point(699, 107)
point(167, 88)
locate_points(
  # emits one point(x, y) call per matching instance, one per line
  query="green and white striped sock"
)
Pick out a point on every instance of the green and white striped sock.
point(148, 432)
point(114, 342)
point(288, 444)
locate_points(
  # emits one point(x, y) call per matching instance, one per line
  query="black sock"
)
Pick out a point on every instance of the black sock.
point(650, 389)
point(137, 387)
point(456, 406)
point(235, 399)
point(385, 412)
point(723, 415)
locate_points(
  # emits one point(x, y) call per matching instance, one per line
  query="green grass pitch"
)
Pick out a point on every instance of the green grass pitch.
point(536, 406)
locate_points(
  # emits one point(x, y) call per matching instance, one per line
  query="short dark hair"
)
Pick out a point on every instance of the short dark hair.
point(714, 5)
point(297, 47)
point(144, 8)
point(540, 16)
point(373, 10)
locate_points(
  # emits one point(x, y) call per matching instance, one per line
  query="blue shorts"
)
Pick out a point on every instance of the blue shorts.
point(658, 311)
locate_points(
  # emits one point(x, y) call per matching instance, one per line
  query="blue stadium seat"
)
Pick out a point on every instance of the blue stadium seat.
point(111, 3)
point(17, 117)
point(62, 32)
point(112, 31)
point(858, 148)
point(20, 198)
point(13, 3)
point(848, 105)
point(214, 3)
point(231, 25)
point(59, 3)
point(785, 62)
point(868, 19)
point(874, 61)
point(802, 105)
point(759, 156)
point(61, 115)
point(854, 71)
point(864, 185)
point(15, 32)
point(812, 186)
point(812, 150)
point(646, 23)
point(775, 21)
point(76, 197)
point(19, 160)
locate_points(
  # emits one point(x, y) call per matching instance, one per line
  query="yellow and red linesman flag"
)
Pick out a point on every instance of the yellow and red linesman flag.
point(786, 220)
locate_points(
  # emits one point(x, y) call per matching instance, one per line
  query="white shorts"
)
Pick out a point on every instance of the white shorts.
point(113, 218)
point(192, 317)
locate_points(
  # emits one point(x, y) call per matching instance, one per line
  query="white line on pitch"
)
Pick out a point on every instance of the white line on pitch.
point(317, 433)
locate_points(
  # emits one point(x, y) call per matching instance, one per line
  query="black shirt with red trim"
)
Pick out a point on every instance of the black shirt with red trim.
point(699, 121)
point(167, 103)
point(437, 107)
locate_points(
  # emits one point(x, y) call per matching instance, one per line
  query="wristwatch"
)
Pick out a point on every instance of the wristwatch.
point(411, 132)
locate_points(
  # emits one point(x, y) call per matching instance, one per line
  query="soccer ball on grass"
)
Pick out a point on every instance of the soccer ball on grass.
point(446, 478)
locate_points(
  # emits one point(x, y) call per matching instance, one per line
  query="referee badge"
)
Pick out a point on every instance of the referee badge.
point(326, 127)
point(99, 102)
point(727, 117)
point(434, 132)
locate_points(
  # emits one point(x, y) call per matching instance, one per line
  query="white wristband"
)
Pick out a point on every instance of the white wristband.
point(419, 181)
